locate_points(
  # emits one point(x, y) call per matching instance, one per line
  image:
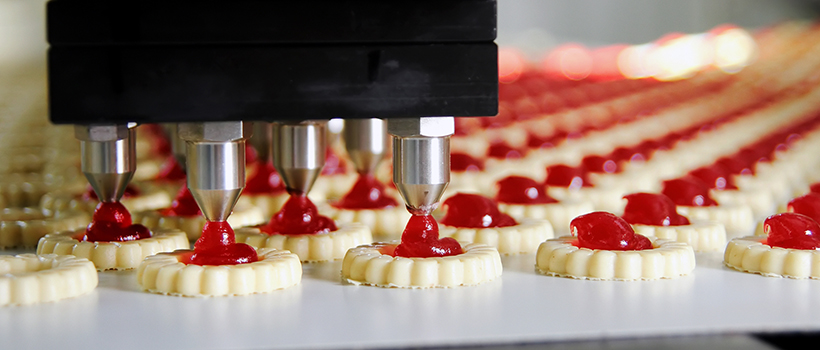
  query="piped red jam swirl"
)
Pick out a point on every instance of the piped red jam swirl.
point(217, 246)
point(265, 180)
point(606, 231)
point(297, 217)
point(183, 205)
point(792, 231)
point(567, 176)
point(366, 193)
point(522, 190)
point(112, 223)
point(474, 211)
point(688, 191)
point(652, 209)
point(420, 239)
point(460, 162)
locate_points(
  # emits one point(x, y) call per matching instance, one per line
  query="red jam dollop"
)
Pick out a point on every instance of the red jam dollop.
point(715, 176)
point(367, 193)
point(808, 205)
point(606, 231)
point(502, 150)
point(735, 165)
point(652, 209)
point(465, 162)
point(171, 170)
point(600, 164)
point(566, 176)
point(688, 191)
point(298, 216)
point(218, 246)
point(420, 240)
point(792, 231)
point(474, 211)
point(112, 223)
point(815, 188)
point(130, 191)
point(183, 205)
point(265, 180)
point(522, 190)
point(333, 163)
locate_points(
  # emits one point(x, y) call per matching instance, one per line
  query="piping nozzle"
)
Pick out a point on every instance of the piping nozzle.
point(366, 143)
point(299, 150)
point(109, 157)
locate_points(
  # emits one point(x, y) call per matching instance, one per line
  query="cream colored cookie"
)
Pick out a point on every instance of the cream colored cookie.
point(23, 227)
point(760, 201)
point(150, 198)
point(329, 187)
point(558, 214)
point(385, 222)
point(518, 239)
point(165, 274)
point(750, 254)
point(269, 204)
point(310, 247)
point(560, 257)
point(702, 236)
point(24, 190)
point(370, 265)
point(29, 279)
point(737, 219)
point(112, 255)
point(602, 198)
point(242, 216)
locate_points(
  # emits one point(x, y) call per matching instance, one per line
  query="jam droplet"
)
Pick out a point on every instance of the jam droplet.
point(652, 209)
point(217, 246)
point(792, 230)
point(333, 163)
point(522, 190)
point(183, 205)
point(600, 164)
point(476, 211)
point(112, 223)
point(566, 176)
point(464, 162)
point(265, 180)
point(815, 188)
point(736, 165)
point(715, 177)
point(606, 231)
point(171, 170)
point(298, 216)
point(420, 240)
point(501, 150)
point(688, 191)
point(130, 191)
point(808, 205)
point(366, 193)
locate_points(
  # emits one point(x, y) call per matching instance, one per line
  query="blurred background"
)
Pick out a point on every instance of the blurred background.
point(533, 26)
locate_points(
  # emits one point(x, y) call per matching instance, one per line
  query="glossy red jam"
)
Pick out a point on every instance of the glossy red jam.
point(130, 191)
point(251, 156)
point(464, 162)
point(474, 211)
point(736, 165)
point(112, 223)
point(366, 193)
point(606, 231)
point(815, 188)
point(298, 216)
point(218, 246)
point(652, 209)
point(792, 231)
point(420, 240)
point(600, 164)
point(502, 150)
point(183, 205)
point(808, 205)
point(715, 176)
point(688, 191)
point(626, 154)
point(171, 170)
point(333, 163)
point(265, 180)
point(522, 190)
point(566, 176)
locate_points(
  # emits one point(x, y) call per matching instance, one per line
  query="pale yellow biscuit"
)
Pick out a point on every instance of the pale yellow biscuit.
point(112, 255)
point(517, 239)
point(165, 274)
point(602, 198)
point(369, 266)
point(736, 218)
point(702, 236)
point(242, 216)
point(329, 187)
point(29, 279)
point(150, 198)
point(559, 214)
point(269, 204)
point(23, 227)
point(749, 254)
point(668, 259)
point(760, 201)
point(310, 247)
point(385, 222)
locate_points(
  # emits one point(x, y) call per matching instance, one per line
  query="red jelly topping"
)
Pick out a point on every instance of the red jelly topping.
point(522, 190)
point(735, 165)
point(599, 164)
point(715, 177)
point(792, 230)
point(652, 209)
point(333, 163)
point(502, 150)
point(265, 180)
point(420, 240)
point(815, 188)
point(112, 223)
point(688, 191)
point(606, 231)
point(171, 170)
point(566, 176)
point(298, 216)
point(475, 211)
point(130, 191)
point(464, 162)
point(218, 246)
point(625, 154)
point(367, 193)
point(808, 205)
point(183, 205)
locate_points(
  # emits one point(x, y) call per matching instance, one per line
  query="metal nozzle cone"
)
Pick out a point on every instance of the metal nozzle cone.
point(366, 143)
point(299, 152)
point(216, 205)
point(109, 187)
point(421, 171)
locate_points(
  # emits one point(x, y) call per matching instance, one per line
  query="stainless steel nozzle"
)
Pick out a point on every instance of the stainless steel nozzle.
point(216, 164)
point(421, 160)
point(366, 143)
point(108, 158)
point(299, 151)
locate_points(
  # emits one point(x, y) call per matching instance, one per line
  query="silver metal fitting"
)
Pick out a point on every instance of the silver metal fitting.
point(109, 158)
point(366, 143)
point(102, 133)
point(423, 126)
point(215, 131)
point(299, 151)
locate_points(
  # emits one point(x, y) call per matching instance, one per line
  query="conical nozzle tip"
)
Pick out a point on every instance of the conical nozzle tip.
point(109, 187)
point(216, 205)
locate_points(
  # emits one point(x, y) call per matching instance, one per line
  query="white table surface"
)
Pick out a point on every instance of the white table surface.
point(322, 312)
